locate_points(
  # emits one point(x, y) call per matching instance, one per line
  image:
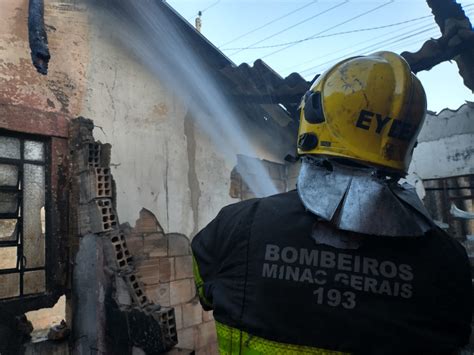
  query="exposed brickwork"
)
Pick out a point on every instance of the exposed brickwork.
point(192, 314)
point(164, 266)
point(166, 318)
point(93, 156)
point(122, 254)
point(94, 186)
point(178, 244)
point(206, 335)
point(183, 267)
point(181, 291)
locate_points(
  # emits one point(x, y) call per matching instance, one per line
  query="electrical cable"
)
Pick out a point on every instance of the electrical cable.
point(374, 47)
point(333, 34)
point(293, 67)
point(368, 48)
point(405, 45)
point(319, 57)
point(332, 27)
point(269, 23)
point(210, 6)
point(292, 26)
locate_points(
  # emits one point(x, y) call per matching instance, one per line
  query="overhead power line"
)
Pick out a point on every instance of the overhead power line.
point(405, 43)
point(332, 27)
point(385, 43)
point(319, 57)
point(269, 23)
point(333, 34)
point(292, 26)
point(331, 53)
point(211, 6)
point(377, 46)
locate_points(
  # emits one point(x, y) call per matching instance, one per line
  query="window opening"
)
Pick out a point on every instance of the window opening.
point(22, 216)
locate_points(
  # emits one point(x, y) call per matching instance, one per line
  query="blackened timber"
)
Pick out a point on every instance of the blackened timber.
point(37, 36)
point(456, 42)
point(434, 52)
point(445, 9)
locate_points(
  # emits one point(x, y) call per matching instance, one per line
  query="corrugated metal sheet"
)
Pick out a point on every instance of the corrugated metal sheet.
point(252, 88)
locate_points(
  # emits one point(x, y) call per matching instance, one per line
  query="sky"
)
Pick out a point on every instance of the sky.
point(308, 36)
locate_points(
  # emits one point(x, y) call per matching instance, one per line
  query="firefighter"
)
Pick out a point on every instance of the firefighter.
point(350, 261)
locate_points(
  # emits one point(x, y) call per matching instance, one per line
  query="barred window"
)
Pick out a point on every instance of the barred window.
point(23, 212)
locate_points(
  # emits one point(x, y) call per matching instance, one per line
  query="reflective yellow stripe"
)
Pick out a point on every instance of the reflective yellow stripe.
point(200, 284)
point(233, 341)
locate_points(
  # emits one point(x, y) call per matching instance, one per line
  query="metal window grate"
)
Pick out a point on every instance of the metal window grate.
point(442, 193)
point(23, 190)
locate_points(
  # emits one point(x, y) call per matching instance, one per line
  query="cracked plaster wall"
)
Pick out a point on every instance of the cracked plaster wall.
point(445, 144)
point(160, 162)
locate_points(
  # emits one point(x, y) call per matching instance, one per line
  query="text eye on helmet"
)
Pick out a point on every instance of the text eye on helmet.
point(313, 110)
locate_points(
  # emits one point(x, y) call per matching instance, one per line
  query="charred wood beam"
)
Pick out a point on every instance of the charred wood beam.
point(456, 42)
point(37, 36)
point(444, 10)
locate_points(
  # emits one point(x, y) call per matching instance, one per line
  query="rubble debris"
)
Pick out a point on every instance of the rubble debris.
point(154, 332)
point(59, 332)
point(24, 326)
point(14, 331)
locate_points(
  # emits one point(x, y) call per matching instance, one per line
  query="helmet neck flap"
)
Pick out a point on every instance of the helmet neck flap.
point(359, 200)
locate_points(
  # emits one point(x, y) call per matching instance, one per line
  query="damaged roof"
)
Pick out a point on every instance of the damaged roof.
point(258, 90)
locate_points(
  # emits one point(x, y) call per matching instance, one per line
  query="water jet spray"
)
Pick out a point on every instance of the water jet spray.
point(144, 29)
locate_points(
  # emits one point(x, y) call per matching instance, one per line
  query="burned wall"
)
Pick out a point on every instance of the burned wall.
point(110, 310)
point(163, 161)
point(20, 85)
point(174, 169)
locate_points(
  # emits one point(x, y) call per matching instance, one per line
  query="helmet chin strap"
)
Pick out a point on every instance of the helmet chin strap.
point(358, 200)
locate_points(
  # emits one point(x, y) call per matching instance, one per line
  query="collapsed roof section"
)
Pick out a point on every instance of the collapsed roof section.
point(259, 92)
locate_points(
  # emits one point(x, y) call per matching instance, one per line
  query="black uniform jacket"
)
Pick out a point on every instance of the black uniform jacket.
point(265, 274)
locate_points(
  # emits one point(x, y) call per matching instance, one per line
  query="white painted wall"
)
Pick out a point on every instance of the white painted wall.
point(446, 144)
point(161, 160)
point(144, 123)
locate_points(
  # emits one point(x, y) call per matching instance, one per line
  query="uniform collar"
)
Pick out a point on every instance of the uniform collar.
point(356, 200)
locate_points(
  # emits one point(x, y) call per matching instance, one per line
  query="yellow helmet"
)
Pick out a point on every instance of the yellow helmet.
point(368, 108)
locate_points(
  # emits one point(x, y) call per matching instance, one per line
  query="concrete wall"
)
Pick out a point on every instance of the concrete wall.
point(445, 144)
